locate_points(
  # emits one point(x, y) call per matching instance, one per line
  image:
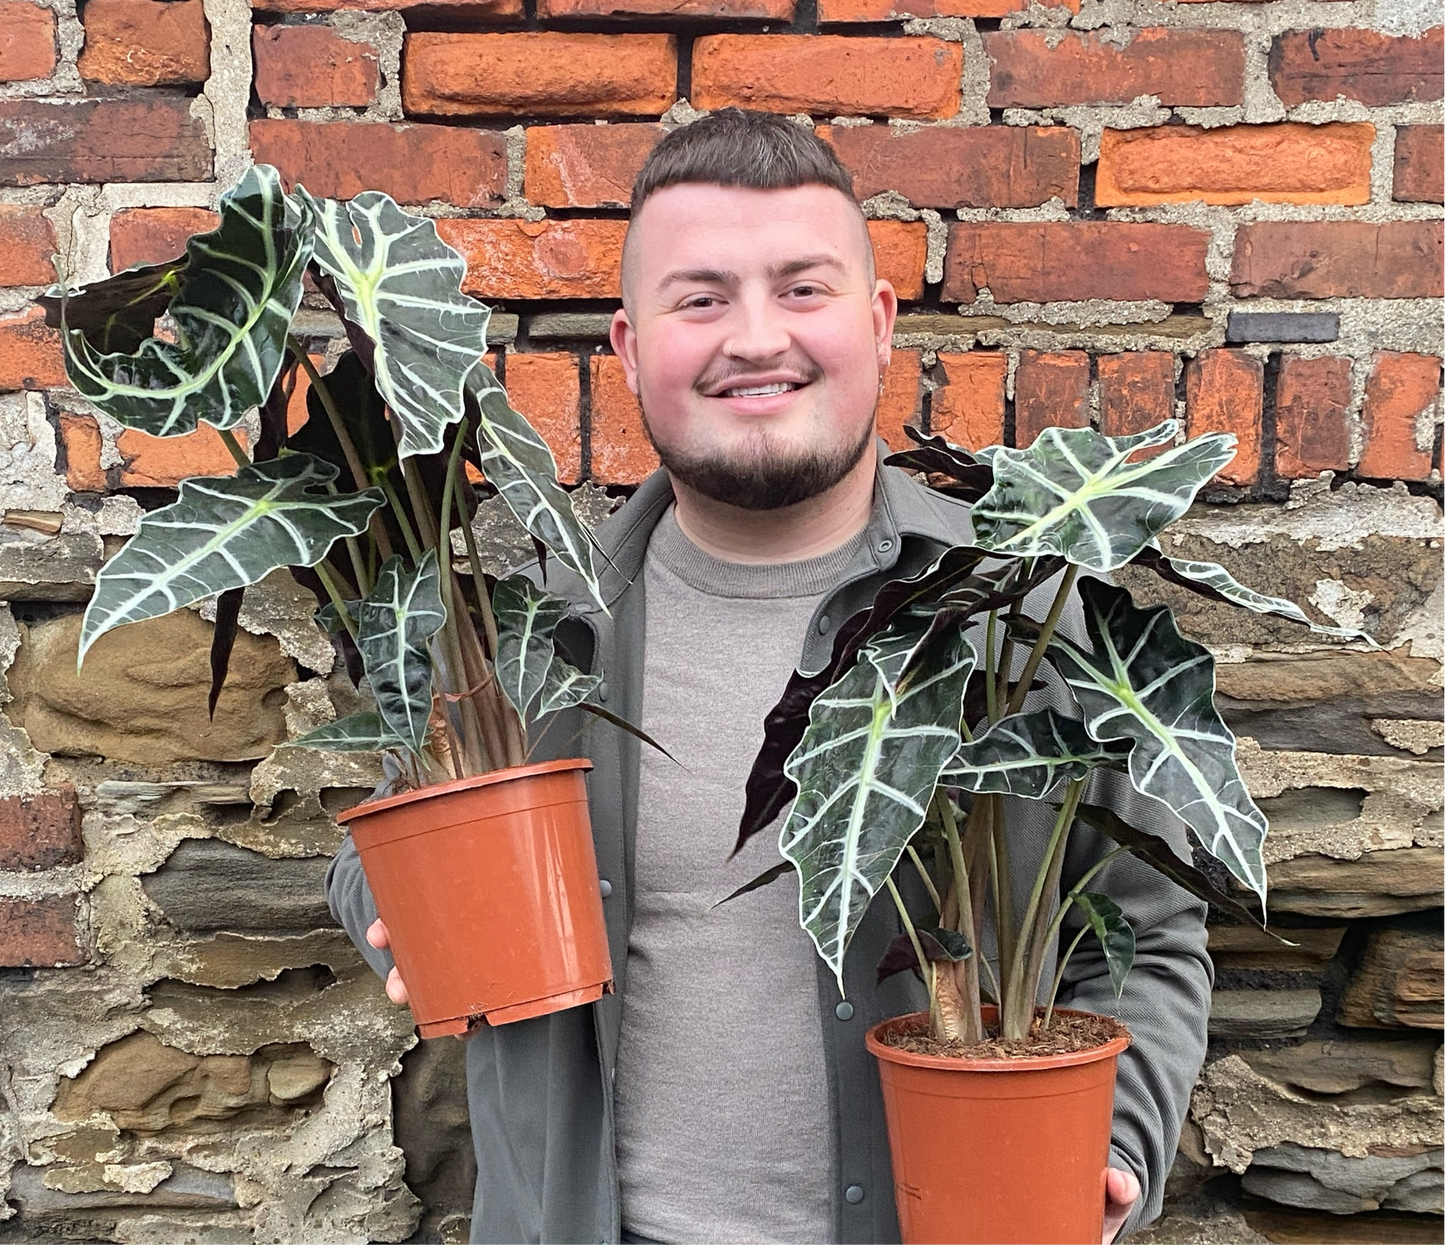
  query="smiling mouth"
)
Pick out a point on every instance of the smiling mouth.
point(760, 391)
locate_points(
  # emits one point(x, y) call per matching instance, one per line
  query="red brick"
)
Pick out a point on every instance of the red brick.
point(1050, 391)
point(1338, 259)
point(1196, 68)
point(1136, 391)
point(773, 10)
point(546, 389)
point(470, 10)
point(543, 74)
point(145, 43)
point(539, 259)
point(900, 249)
point(1224, 392)
point(621, 452)
point(30, 356)
point(585, 165)
point(27, 241)
point(154, 235)
point(312, 67)
point(1312, 399)
point(1420, 164)
point(828, 75)
point(901, 401)
point(1401, 390)
point(411, 163)
point(886, 10)
point(1358, 64)
point(163, 462)
point(1065, 261)
point(40, 831)
point(40, 933)
point(154, 139)
point(80, 436)
point(968, 407)
point(961, 166)
point(27, 41)
point(1235, 164)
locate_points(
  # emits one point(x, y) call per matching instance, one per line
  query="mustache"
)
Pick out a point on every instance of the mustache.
point(730, 377)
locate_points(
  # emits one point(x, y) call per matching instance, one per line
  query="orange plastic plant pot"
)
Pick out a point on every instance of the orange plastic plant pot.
point(997, 1151)
point(489, 890)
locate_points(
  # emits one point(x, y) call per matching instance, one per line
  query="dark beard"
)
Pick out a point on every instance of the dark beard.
point(763, 481)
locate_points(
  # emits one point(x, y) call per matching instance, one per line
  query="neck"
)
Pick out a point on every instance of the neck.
point(790, 534)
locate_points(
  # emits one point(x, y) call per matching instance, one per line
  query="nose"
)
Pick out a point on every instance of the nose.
point(758, 332)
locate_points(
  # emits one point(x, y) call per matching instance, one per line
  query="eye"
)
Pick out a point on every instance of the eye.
point(805, 290)
point(700, 302)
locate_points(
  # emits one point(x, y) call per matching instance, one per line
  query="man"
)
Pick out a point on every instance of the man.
point(723, 1092)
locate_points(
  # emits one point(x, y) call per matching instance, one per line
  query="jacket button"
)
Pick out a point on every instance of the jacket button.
point(853, 1194)
point(823, 624)
point(605, 887)
point(844, 1010)
point(602, 690)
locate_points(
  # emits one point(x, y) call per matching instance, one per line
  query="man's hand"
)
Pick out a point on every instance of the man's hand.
point(377, 936)
point(1121, 1191)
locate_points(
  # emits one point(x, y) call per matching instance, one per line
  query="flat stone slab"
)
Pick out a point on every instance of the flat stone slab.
point(1282, 326)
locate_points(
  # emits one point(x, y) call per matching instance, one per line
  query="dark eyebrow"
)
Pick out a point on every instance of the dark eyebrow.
point(794, 266)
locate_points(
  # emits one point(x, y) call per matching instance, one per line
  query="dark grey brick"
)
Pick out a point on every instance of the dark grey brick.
point(1283, 326)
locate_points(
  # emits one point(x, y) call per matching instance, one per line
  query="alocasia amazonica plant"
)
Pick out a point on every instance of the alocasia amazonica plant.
point(360, 501)
point(916, 729)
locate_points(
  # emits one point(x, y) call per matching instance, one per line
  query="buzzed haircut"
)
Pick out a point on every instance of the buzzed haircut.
point(754, 150)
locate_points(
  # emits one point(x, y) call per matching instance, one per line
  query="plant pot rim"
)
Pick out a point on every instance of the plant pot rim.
point(957, 1063)
point(461, 784)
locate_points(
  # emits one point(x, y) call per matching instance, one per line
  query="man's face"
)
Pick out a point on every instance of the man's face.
point(754, 337)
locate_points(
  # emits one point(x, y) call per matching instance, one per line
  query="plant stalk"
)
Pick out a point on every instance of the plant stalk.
point(333, 590)
point(938, 1017)
point(228, 439)
point(990, 673)
point(927, 881)
point(1046, 633)
point(408, 533)
point(964, 975)
point(1067, 902)
point(1059, 977)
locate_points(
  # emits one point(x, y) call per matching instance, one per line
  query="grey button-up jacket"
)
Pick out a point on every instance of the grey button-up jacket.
point(540, 1091)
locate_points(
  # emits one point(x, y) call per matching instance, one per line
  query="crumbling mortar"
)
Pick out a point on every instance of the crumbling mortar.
point(65, 80)
point(226, 93)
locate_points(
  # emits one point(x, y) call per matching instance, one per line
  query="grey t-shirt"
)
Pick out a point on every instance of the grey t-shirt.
point(723, 1130)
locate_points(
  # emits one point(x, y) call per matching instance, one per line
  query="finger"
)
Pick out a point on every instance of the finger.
point(1123, 1187)
point(395, 987)
point(377, 936)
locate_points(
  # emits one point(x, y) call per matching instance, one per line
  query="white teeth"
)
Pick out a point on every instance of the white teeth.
point(761, 391)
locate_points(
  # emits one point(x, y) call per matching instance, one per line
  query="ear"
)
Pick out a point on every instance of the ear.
point(624, 344)
point(885, 312)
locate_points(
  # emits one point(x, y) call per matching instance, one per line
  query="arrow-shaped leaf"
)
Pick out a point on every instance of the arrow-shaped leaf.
point(117, 314)
point(973, 477)
point(527, 619)
point(224, 533)
point(1145, 682)
point(361, 732)
point(940, 946)
point(237, 294)
point(1073, 492)
point(1114, 933)
point(1029, 754)
point(401, 285)
point(865, 770)
point(394, 621)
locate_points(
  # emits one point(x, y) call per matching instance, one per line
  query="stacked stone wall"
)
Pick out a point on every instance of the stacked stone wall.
point(1099, 212)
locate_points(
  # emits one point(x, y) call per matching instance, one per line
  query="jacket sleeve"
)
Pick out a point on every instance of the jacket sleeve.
point(349, 898)
point(1165, 1001)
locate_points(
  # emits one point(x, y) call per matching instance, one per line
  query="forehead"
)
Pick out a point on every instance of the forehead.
point(699, 225)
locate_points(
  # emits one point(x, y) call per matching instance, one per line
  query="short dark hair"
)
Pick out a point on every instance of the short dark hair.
point(731, 147)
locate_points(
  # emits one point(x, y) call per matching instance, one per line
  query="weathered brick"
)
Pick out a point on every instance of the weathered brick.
point(1224, 392)
point(1420, 164)
point(886, 10)
point(40, 831)
point(27, 241)
point(968, 405)
point(153, 235)
point(962, 166)
point(163, 462)
point(901, 401)
point(40, 933)
point(122, 140)
point(539, 259)
point(828, 75)
point(772, 10)
point(471, 10)
point(1197, 68)
point(546, 74)
point(585, 165)
point(80, 438)
point(900, 249)
point(546, 389)
point(312, 67)
point(1312, 399)
point(621, 452)
point(30, 356)
point(1235, 164)
point(1051, 390)
point(1357, 64)
point(27, 41)
point(1136, 391)
point(412, 163)
point(1338, 259)
point(145, 43)
point(1400, 396)
point(1051, 261)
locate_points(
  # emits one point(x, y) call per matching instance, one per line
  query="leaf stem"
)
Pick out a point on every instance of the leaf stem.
point(924, 965)
point(228, 439)
point(1046, 633)
point(333, 590)
point(479, 585)
point(1068, 900)
point(972, 1018)
point(408, 533)
point(927, 881)
point(990, 672)
point(1059, 978)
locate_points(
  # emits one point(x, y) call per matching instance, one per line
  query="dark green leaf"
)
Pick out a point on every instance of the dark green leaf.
point(394, 621)
point(223, 639)
point(361, 732)
point(1029, 754)
point(116, 314)
point(1114, 933)
point(939, 945)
